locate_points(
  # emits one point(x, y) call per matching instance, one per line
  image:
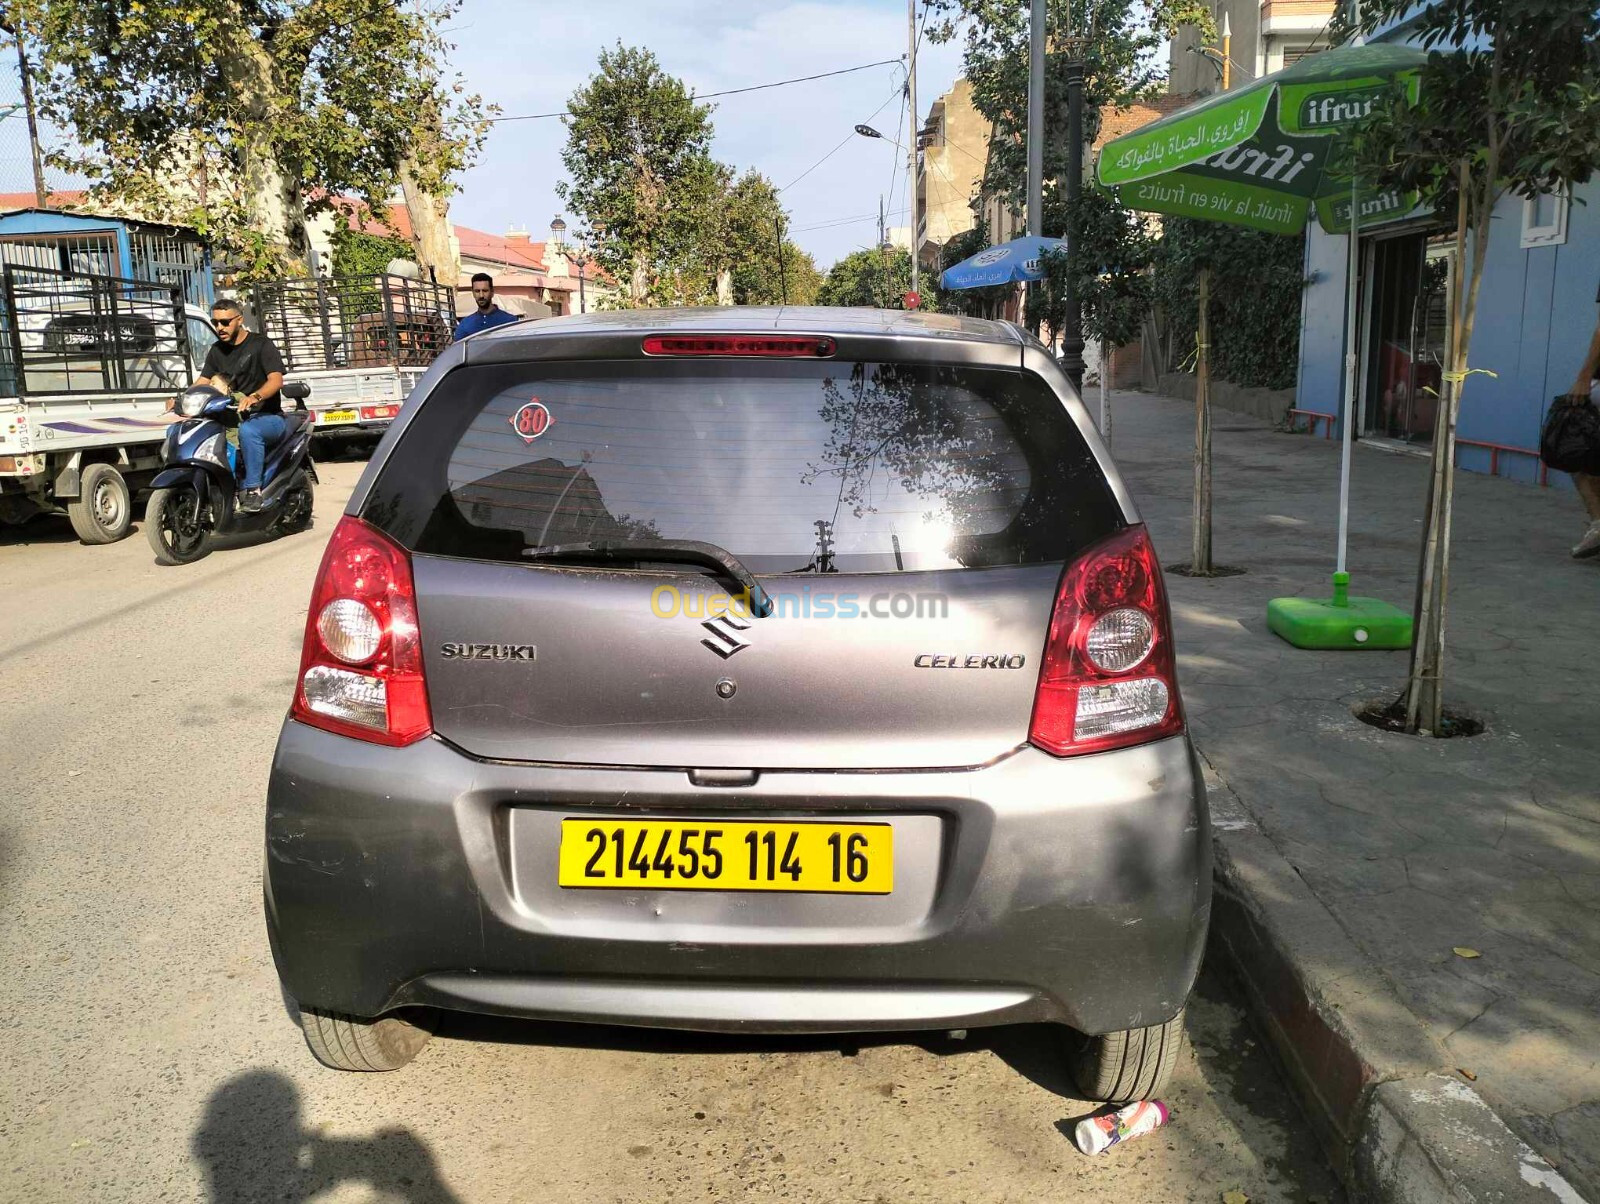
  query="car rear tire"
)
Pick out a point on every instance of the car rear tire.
point(1126, 1066)
point(347, 1043)
point(103, 511)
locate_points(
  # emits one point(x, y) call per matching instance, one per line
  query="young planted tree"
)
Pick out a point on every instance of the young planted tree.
point(243, 118)
point(1509, 106)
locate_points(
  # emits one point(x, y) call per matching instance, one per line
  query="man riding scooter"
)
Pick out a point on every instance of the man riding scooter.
point(253, 367)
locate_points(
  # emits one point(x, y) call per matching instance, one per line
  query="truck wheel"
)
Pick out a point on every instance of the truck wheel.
point(346, 1043)
point(1122, 1067)
point(103, 511)
point(175, 527)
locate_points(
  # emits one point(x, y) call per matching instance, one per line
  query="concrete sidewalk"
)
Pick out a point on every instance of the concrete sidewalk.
point(1351, 862)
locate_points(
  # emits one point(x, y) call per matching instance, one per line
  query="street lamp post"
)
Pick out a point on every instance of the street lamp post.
point(1072, 315)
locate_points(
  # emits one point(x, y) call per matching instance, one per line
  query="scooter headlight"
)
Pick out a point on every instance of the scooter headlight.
point(193, 401)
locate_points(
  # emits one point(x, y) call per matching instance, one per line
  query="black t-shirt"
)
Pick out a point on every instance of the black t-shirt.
point(247, 365)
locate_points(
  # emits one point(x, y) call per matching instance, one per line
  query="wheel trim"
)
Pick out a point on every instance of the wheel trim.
point(108, 505)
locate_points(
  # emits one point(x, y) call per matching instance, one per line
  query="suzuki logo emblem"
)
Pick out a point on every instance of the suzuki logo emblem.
point(725, 631)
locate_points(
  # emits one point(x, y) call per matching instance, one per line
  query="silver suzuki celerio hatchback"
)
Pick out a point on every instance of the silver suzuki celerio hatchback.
point(792, 670)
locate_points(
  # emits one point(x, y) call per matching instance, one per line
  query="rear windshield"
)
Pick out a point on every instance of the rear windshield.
point(793, 466)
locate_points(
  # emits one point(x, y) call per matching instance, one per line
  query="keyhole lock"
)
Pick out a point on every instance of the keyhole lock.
point(727, 688)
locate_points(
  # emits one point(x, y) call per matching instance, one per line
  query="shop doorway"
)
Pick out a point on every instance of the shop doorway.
point(1407, 289)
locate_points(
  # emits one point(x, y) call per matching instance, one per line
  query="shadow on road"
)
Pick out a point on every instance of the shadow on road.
point(253, 1144)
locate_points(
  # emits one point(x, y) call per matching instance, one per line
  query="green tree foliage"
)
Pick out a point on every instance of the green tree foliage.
point(877, 278)
point(1123, 62)
point(755, 220)
point(642, 179)
point(1108, 255)
point(1256, 282)
point(1509, 106)
point(661, 214)
point(359, 254)
point(244, 117)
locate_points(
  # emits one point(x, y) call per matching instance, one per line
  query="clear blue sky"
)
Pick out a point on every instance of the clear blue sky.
point(529, 58)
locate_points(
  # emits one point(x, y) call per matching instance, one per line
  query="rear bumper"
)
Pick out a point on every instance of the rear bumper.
point(1030, 889)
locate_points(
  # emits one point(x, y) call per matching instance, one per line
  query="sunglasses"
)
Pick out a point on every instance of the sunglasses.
point(224, 323)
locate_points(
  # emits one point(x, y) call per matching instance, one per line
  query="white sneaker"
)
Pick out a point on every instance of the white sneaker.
point(1589, 545)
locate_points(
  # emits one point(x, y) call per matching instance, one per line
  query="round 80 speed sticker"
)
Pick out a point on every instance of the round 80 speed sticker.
point(531, 421)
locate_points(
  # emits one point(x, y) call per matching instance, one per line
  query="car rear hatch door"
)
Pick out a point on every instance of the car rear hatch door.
point(908, 524)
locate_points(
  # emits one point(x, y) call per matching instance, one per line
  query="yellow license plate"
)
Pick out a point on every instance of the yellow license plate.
point(708, 855)
point(333, 417)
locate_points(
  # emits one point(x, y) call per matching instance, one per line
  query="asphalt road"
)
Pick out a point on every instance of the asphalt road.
point(146, 1052)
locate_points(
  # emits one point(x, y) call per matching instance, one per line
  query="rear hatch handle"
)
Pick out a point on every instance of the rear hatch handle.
point(669, 551)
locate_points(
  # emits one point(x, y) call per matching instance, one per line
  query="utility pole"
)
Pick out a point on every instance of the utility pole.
point(1072, 317)
point(1036, 120)
point(33, 121)
point(883, 253)
point(911, 153)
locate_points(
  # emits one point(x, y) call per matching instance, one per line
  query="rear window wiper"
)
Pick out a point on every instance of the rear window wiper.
point(671, 551)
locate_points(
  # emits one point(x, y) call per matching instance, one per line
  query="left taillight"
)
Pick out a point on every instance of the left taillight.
point(1109, 677)
point(361, 666)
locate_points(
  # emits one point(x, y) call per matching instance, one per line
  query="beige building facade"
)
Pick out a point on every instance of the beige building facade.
point(1267, 35)
point(955, 147)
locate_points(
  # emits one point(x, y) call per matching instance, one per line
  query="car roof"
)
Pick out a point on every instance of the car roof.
point(763, 319)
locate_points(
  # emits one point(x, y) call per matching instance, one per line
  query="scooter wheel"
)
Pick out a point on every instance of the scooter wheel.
point(298, 502)
point(175, 527)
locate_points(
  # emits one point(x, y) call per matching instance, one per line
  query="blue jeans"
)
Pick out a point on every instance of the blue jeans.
point(256, 436)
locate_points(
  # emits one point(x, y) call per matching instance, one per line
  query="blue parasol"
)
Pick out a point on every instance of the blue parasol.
point(1019, 259)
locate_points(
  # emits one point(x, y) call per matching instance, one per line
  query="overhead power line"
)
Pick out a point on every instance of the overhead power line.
point(840, 145)
point(780, 83)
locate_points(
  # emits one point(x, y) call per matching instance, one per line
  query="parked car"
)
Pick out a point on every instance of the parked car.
point(754, 670)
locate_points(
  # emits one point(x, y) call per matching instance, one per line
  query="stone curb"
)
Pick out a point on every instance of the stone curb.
point(1378, 1090)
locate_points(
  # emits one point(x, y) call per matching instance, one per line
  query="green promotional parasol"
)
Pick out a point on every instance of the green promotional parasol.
point(1264, 156)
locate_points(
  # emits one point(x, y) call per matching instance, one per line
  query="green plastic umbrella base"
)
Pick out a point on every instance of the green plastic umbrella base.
point(1340, 621)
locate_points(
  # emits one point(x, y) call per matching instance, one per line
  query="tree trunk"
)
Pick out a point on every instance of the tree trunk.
point(271, 199)
point(430, 228)
point(1424, 698)
point(1200, 550)
point(724, 286)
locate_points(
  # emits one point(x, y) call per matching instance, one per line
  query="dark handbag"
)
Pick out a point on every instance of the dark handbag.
point(1571, 439)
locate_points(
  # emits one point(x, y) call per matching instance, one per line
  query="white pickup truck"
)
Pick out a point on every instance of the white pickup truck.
point(87, 367)
point(89, 363)
point(360, 342)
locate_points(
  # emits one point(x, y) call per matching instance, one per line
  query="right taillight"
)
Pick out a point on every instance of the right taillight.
point(361, 667)
point(1108, 678)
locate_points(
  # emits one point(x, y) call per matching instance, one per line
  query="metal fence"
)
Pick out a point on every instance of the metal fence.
point(172, 259)
point(355, 321)
point(65, 332)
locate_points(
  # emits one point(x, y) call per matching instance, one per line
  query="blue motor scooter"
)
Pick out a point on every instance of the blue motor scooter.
point(195, 496)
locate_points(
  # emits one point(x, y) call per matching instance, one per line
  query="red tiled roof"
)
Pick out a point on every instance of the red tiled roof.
point(519, 254)
point(27, 200)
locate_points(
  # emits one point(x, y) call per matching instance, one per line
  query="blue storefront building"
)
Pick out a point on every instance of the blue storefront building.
point(1537, 311)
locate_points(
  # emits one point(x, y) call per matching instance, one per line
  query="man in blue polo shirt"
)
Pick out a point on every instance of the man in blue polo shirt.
point(489, 314)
